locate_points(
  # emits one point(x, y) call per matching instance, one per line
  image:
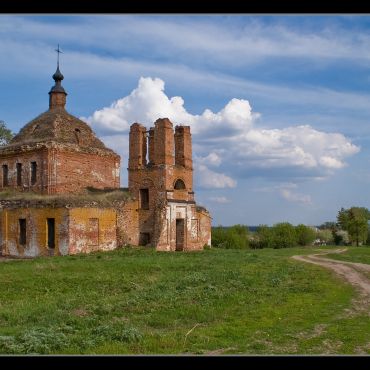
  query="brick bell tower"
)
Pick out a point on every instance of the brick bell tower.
point(160, 175)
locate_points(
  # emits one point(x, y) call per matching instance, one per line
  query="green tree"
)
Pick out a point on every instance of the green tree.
point(264, 236)
point(5, 134)
point(305, 234)
point(355, 221)
point(234, 237)
point(284, 235)
point(328, 225)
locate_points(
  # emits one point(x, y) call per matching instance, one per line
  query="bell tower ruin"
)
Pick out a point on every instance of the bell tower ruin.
point(160, 176)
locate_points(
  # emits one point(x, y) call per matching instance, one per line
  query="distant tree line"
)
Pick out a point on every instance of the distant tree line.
point(351, 228)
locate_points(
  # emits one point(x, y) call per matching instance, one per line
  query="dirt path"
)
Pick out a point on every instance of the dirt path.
point(350, 271)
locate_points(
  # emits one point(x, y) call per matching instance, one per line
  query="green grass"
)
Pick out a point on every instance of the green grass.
point(138, 301)
point(354, 254)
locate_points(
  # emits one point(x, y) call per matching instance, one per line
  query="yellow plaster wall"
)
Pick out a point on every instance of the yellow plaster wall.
point(79, 240)
point(36, 234)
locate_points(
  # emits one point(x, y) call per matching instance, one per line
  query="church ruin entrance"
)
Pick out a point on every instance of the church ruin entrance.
point(180, 234)
point(51, 232)
point(144, 239)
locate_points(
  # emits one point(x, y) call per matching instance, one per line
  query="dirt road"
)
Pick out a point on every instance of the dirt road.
point(350, 271)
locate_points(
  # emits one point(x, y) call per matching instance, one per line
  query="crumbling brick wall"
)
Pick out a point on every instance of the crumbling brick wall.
point(75, 171)
point(60, 168)
point(160, 163)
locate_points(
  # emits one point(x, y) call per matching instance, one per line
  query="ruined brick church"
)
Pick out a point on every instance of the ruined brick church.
point(60, 188)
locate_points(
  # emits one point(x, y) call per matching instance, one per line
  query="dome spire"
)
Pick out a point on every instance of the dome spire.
point(57, 93)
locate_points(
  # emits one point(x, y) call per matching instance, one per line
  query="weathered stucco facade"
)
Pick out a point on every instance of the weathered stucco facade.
point(57, 154)
point(56, 231)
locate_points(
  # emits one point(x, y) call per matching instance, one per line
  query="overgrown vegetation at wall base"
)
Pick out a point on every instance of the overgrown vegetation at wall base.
point(139, 301)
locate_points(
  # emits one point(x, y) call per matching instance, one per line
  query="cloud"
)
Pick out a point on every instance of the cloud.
point(209, 179)
point(291, 196)
point(230, 139)
point(149, 100)
point(300, 146)
point(212, 159)
point(288, 192)
point(214, 40)
point(220, 200)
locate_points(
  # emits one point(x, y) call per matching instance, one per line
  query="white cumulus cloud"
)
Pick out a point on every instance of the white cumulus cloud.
point(213, 180)
point(230, 139)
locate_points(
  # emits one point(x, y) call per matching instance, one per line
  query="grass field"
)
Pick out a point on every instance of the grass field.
point(354, 254)
point(138, 301)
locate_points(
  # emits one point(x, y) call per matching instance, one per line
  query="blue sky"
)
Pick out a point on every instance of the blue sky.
point(279, 106)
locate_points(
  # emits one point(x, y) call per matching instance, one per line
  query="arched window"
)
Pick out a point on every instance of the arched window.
point(179, 185)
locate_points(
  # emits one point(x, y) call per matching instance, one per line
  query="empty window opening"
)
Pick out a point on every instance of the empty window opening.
point(144, 198)
point(5, 175)
point(180, 234)
point(144, 239)
point(179, 185)
point(51, 232)
point(77, 133)
point(33, 173)
point(93, 231)
point(19, 174)
point(22, 231)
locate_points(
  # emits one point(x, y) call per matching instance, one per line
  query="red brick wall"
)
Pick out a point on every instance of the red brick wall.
point(74, 171)
point(170, 159)
point(25, 158)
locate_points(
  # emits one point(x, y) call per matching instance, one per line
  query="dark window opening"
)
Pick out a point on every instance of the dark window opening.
point(5, 175)
point(22, 231)
point(144, 239)
point(19, 174)
point(179, 185)
point(77, 134)
point(33, 173)
point(51, 232)
point(144, 198)
point(180, 234)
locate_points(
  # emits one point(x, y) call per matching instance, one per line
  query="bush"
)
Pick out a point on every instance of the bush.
point(305, 235)
point(35, 340)
point(234, 237)
point(283, 235)
point(262, 238)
